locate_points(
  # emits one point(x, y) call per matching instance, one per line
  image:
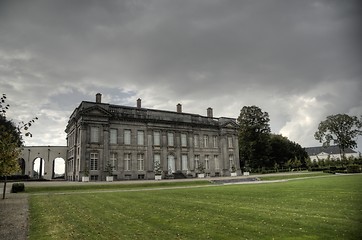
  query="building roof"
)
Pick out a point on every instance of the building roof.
point(127, 113)
point(313, 151)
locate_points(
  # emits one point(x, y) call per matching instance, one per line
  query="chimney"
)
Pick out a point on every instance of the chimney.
point(209, 112)
point(139, 103)
point(98, 98)
point(179, 108)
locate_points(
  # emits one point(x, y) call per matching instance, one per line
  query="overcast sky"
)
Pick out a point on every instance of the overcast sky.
point(298, 60)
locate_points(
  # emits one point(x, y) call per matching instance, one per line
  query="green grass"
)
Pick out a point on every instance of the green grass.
point(317, 208)
point(111, 186)
point(293, 176)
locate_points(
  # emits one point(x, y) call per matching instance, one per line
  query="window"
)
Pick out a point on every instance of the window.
point(156, 160)
point(127, 137)
point(113, 136)
point(231, 160)
point(215, 142)
point(171, 164)
point(196, 140)
point(127, 161)
point(140, 162)
point(207, 163)
point(230, 142)
point(170, 139)
point(140, 138)
point(113, 160)
point(94, 134)
point(197, 161)
point(216, 161)
point(184, 162)
point(94, 161)
point(183, 140)
point(206, 141)
point(156, 138)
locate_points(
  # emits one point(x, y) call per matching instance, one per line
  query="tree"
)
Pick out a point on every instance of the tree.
point(342, 129)
point(254, 137)
point(282, 149)
point(10, 142)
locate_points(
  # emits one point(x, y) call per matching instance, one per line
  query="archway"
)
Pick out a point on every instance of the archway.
point(38, 168)
point(58, 168)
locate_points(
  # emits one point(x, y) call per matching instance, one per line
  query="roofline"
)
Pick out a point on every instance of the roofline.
point(154, 110)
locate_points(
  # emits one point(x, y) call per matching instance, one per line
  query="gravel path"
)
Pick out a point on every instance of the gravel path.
point(13, 215)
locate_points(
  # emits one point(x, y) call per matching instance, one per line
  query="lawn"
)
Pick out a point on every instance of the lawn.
point(315, 208)
point(293, 176)
point(87, 187)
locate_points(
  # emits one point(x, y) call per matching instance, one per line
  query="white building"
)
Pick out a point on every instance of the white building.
point(331, 152)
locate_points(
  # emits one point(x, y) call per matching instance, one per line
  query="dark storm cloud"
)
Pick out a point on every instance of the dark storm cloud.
point(298, 60)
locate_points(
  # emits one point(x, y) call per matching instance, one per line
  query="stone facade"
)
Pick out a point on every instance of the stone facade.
point(133, 139)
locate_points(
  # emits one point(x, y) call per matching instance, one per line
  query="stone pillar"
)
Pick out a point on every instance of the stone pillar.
point(149, 152)
point(105, 159)
point(82, 151)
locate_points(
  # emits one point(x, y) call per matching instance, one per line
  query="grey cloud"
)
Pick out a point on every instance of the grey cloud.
point(221, 53)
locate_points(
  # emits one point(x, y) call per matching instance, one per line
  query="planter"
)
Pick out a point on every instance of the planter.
point(158, 177)
point(246, 173)
point(233, 174)
point(109, 178)
point(201, 175)
point(85, 179)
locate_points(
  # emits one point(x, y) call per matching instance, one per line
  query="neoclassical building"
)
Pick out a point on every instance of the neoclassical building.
point(132, 140)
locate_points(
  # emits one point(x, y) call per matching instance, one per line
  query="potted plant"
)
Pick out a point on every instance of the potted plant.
point(201, 170)
point(157, 170)
point(170, 173)
point(109, 169)
point(85, 178)
point(233, 171)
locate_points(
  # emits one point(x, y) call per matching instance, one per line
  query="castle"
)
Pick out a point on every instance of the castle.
point(128, 142)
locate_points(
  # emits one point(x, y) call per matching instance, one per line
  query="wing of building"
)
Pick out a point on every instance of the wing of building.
point(332, 152)
point(132, 140)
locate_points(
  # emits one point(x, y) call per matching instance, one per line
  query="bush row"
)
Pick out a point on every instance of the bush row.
point(15, 177)
point(347, 169)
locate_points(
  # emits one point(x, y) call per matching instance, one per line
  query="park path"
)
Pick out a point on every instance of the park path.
point(14, 214)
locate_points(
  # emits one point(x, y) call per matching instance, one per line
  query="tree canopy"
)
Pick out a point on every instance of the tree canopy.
point(284, 150)
point(342, 129)
point(254, 137)
point(9, 152)
point(259, 148)
point(10, 141)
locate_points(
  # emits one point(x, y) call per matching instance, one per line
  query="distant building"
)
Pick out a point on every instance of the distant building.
point(134, 139)
point(332, 152)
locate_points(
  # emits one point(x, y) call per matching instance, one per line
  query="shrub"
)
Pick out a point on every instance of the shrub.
point(353, 169)
point(17, 187)
point(15, 178)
